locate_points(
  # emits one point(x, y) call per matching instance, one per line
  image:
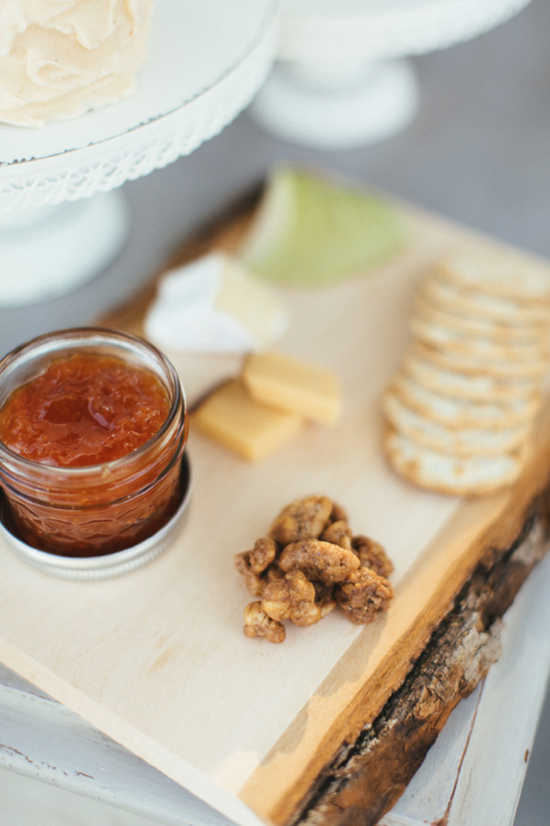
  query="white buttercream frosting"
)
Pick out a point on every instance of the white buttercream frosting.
point(59, 58)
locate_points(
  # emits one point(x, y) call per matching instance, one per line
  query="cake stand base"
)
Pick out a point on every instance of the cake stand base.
point(337, 107)
point(52, 250)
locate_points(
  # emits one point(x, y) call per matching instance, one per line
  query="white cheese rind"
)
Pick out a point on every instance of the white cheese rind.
point(215, 305)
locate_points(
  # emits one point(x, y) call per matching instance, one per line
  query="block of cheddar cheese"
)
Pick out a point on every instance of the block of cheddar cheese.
point(253, 430)
point(294, 386)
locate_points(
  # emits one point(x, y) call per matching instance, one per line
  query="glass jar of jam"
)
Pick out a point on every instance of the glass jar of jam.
point(93, 426)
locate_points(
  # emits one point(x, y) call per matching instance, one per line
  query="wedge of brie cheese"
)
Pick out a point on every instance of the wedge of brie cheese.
point(215, 305)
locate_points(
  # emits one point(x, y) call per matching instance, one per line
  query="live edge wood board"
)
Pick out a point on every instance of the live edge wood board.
point(328, 727)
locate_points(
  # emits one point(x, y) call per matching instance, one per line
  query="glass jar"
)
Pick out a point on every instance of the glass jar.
point(103, 508)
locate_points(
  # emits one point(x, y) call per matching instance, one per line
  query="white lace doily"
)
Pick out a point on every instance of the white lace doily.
point(316, 29)
point(206, 61)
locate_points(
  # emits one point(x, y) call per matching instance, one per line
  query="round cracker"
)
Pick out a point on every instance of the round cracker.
point(440, 336)
point(474, 326)
point(461, 442)
point(448, 474)
point(476, 365)
point(497, 273)
point(457, 413)
point(474, 387)
point(489, 308)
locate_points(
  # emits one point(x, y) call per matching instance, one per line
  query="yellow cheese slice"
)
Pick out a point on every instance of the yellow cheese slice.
point(293, 386)
point(233, 418)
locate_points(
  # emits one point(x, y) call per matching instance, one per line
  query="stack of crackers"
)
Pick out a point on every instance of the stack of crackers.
point(460, 410)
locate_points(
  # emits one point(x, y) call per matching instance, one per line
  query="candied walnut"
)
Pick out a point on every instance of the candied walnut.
point(302, 519)
point(324, 596)
point(319, 560)
point(253, 565)
point(372, 555)
point(254, 582)
point(262, 555)
point(293, 598)
point(309, 563)
point(258, 624)
point(273, 573)
point(339, 533)
point(363, 595)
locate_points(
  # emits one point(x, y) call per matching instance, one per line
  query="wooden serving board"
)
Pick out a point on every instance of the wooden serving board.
point(157, 659)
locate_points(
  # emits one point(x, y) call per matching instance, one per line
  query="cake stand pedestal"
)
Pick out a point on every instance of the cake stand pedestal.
point(342, 79)
point(47, 250)
point(205, 63)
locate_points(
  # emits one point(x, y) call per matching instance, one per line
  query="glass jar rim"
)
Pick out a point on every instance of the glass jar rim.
point(177, 402)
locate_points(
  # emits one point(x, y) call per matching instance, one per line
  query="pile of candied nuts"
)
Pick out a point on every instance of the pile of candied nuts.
point(308, 564)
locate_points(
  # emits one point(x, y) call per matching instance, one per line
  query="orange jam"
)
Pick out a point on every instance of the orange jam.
point(83, 410)
point(93, 427)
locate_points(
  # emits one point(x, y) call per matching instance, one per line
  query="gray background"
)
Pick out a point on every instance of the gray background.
point(478, 153)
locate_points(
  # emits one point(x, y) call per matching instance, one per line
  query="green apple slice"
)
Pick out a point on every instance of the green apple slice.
point(310, 231)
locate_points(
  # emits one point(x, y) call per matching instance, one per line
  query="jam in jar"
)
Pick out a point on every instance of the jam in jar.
point(93, 425)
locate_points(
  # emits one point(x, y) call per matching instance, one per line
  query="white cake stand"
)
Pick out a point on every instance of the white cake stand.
point(341, 80)
point(206, 60)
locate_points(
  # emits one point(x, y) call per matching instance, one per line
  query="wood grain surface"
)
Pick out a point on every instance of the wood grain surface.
point(157, 659)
